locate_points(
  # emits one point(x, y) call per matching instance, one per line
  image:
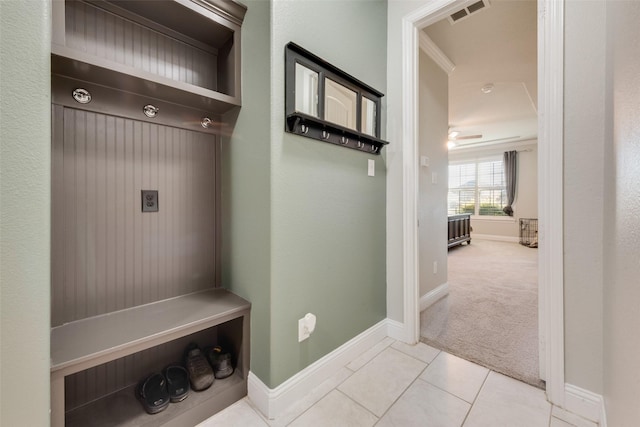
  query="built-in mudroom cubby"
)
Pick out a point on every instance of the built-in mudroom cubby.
point(139, 89)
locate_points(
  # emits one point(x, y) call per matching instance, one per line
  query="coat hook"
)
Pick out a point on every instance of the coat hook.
point(206, 122)
point(325, 134)
point(304, 129)
point(150, 110)
point(81, 95)
point(374, 148)
point(360, 144)
point(344, 140)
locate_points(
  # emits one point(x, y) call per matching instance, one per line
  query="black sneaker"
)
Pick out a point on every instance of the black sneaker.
point(177, 382)
point(200, 372)
point(221, 362)
point(152, 393)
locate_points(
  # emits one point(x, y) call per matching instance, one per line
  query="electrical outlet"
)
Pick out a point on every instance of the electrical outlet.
point(149, 200)
point(303, 330)
point(306, 326)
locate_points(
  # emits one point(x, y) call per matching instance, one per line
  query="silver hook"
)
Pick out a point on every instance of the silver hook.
point(360, 144)
point(206, 122)
point(325, 134)
point(304, 128)
point(150, 110)
point(81, 95)
point(344, 140)
point(374, 148)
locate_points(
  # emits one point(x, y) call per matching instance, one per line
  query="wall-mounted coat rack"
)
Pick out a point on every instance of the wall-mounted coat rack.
point(325, 103)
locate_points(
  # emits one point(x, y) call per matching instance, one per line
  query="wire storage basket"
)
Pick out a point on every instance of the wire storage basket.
point(529, 232)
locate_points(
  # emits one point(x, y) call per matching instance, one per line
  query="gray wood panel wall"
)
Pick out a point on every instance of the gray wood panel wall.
point(107, 255)
point(105, 35)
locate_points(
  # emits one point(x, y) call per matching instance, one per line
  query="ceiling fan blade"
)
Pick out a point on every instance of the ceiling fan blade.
point(469, 137)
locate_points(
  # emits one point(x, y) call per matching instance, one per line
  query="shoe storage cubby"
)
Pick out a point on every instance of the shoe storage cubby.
point(97, 361)
point(131, 288)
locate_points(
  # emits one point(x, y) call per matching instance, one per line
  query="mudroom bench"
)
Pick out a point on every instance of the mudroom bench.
point(94, 342)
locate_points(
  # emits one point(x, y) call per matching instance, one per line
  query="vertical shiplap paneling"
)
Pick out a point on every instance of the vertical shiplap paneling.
point(103, 34)
point(129, 198)
point(111, 184)
point(107, 254)
point(138, 266)
point(162, 221)
point(80, 262)
point(89, 200)
point(57, 213)
point(119, 302)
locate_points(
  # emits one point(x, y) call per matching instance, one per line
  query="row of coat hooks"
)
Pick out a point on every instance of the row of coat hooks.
point(320, 130)
point(343, 140)
point(83, 96)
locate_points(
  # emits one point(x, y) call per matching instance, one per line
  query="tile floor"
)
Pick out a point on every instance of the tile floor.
point(394, 384)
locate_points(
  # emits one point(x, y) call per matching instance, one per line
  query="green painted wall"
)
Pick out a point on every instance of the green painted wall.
point(25, 202)
point(246, 186)
point(305, 225)
point(328, 217)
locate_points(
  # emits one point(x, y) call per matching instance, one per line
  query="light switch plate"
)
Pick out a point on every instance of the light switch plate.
point(149, 200)
point(371, 171)
point(424, 161)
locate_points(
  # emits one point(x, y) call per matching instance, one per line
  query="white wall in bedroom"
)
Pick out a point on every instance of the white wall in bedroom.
point(432, 190)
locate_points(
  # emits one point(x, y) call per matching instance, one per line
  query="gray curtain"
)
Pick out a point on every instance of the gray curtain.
point(510, 179)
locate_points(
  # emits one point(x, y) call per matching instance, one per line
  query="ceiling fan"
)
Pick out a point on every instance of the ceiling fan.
point(455, 136)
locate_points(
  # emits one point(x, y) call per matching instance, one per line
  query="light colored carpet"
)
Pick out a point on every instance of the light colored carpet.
point(490, 316)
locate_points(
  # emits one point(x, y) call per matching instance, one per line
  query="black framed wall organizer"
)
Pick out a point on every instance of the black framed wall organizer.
point(325, 103)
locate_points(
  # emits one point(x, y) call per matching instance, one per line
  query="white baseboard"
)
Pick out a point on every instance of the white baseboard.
point(434, 295)
point(495, 238)
point(396, 330)
point(585, 403)
point(273, 402)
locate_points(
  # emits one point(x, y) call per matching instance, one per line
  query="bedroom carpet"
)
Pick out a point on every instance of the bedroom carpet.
point(490, 316)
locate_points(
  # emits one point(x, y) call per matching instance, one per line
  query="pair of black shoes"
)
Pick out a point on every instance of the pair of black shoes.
point(203, 372)
point(157, 390)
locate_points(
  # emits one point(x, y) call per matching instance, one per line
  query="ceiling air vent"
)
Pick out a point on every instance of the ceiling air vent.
point(467, 11)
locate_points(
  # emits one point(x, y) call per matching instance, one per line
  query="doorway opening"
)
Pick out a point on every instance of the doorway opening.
point(550, 180)
point(478, 101)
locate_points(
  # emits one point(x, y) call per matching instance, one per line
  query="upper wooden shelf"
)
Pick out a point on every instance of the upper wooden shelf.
point(89, 342)
point(185, 52)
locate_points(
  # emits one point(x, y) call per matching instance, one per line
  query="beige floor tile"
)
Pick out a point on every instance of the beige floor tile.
point(424, 405)
point(456, 376)
point(366, 357)
point(238, 414)
point(335, 409)
point(380, 382)
point(420, 351)
point(504, 401)
point(307, 401)
point(571, 419)
point(559, 423)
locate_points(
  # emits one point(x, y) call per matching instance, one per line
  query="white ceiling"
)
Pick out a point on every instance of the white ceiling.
point(494, 45)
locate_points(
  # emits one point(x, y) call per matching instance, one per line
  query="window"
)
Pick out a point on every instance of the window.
point(477, 188)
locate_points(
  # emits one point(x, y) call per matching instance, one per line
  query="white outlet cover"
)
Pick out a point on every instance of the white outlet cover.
point(303, 330)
